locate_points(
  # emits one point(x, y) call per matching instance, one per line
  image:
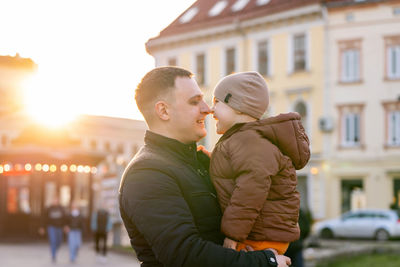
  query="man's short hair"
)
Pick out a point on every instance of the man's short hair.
point(155, 85)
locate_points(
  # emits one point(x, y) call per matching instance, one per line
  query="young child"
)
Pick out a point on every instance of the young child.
point(253, 165)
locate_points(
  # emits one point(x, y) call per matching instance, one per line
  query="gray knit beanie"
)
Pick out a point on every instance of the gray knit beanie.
point(246, 92)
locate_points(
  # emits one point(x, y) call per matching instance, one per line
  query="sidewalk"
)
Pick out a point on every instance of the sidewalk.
point(38, 255)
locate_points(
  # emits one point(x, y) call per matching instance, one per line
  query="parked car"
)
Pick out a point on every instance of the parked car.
point(378, 224)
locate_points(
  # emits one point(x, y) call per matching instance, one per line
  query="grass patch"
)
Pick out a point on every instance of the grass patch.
point(366, 260)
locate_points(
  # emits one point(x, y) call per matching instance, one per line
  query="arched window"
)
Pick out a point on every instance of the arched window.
point(301, 108)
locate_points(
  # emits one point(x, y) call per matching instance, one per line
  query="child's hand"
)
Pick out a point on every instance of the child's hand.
point(229, 243)
point(204, 150)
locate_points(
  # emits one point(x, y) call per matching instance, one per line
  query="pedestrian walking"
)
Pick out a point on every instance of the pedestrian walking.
point(54, 222)
point(101, 225)
point(75, 228)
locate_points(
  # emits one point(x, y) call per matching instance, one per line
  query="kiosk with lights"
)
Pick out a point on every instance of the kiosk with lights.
point(40, 165)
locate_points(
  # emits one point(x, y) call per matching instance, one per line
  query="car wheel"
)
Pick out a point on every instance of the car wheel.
point(326, 233)
point(382, 235)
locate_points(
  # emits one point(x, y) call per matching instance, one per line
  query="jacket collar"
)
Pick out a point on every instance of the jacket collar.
point(235, 128)
point(163, 143)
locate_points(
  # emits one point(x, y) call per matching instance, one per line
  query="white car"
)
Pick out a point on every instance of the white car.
point(378, 224)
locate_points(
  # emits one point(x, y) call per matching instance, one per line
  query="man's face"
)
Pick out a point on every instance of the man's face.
point(187, 111)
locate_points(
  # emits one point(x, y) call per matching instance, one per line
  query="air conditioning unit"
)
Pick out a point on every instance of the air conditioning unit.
point(326, 124)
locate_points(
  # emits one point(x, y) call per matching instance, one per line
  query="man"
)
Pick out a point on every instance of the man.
point(167, 201)
point(54, 221)
point(101, 224)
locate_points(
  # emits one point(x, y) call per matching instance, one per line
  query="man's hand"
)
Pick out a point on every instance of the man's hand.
point(229, 243)
point(283, 261)
point(204, 150)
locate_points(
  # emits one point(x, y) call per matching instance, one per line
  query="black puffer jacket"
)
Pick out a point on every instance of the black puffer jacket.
point(170, 210)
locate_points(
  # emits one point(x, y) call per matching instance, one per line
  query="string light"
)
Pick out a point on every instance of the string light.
point(45, 167)
point(38, 167)
point(53, 168)
point(28, 167)
point(7, 167)
point(64, 168)
point(72, 168)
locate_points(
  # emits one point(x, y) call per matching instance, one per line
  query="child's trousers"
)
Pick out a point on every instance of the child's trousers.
point(280, 247)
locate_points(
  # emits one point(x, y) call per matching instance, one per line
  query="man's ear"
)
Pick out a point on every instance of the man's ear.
point(161, 108)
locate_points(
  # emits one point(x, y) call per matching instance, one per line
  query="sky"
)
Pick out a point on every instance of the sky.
point(90, 53)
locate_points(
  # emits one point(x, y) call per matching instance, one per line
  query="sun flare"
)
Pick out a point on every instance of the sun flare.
point(45, 103)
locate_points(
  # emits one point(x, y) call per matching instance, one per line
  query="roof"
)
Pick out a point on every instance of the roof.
point(17, 62)
point(202, 19)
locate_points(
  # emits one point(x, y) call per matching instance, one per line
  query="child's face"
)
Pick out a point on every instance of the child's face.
point(224, 115)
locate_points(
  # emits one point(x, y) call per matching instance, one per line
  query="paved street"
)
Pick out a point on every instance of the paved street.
point(38, 255)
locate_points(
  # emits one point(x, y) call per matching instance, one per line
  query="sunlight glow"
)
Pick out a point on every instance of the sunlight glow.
point(90, 54)
point(46, 103)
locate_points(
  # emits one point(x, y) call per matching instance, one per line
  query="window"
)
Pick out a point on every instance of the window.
point(189, 15)
point(262, 58)
point(394, 128)
point(17, 198)
point(120, 149)
point(262, 2)
point(396, 11)
point(349, 52)
point(392, 111)
point(349, 17)
point(299, 52)
point(200, 69)
point(392, 45)
point(239, 5)
point(107, 146)
point(350, 125)
point(172, 61)
point(230, 65)
point(350, 65)
point(301, 108)
point(217, 8)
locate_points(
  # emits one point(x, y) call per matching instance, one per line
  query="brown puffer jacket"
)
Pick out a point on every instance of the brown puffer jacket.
point(253, 170)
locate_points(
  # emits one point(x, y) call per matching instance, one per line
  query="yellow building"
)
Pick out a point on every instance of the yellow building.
point(362, 104)
point(283, 40)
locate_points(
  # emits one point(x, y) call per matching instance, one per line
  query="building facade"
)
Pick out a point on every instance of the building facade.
point(362, 104)
point(283, 41)
point(334, 62)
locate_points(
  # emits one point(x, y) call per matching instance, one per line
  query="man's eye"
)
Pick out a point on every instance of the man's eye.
point(194, 102)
